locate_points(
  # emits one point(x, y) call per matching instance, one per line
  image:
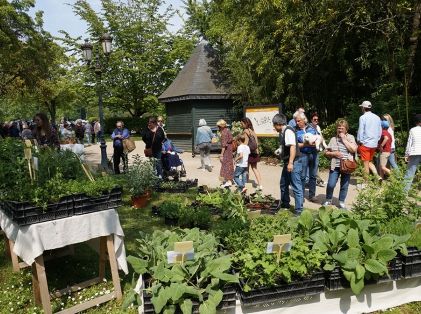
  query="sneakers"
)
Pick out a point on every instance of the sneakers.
point(259, 188)
point(361, 186)
point(244, 191)
point(327, 203)
point(342, 205)
point(226, 185)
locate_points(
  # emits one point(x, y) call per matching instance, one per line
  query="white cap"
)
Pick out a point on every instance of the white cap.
point(366, 104)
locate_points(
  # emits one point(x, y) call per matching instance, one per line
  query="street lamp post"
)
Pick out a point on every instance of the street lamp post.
point(87, 47)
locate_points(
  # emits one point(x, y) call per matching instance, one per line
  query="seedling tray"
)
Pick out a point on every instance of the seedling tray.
point(300, 288)
point(25, 213)
point(181, 187)
point(412, 263)
point(84, 204)
point(228, 301)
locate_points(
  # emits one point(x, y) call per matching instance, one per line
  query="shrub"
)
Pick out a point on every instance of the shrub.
point(268, 145)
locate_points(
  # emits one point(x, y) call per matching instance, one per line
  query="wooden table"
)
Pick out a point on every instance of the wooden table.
point(107, 254)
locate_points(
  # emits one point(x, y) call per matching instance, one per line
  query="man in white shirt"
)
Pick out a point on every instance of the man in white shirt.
point(291, 171)
point(413, 152)
point(241, 164)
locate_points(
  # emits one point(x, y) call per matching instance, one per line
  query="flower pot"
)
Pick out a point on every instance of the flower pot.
point(140, 201)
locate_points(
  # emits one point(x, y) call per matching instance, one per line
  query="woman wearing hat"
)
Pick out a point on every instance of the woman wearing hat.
point(226, 159)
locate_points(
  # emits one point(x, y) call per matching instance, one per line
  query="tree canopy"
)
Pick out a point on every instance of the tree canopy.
point(327, 55)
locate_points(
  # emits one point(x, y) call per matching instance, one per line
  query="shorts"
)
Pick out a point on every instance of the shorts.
point(366, 153)
point(383, 159)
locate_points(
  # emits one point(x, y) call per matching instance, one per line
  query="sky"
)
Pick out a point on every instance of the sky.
point(58, 15)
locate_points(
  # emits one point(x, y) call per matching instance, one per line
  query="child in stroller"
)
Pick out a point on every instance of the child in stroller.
point(172, 164)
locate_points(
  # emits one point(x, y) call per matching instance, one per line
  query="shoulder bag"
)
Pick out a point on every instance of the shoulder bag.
point(129, 145)
point(148, 151)
point(347, 166)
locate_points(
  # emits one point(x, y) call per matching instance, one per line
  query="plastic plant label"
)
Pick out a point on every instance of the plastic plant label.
point(35, 162)
point(174, 257)
point(183, 247)
point(274, 248)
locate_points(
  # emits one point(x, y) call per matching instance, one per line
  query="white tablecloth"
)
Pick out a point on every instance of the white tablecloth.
point(78, 149)
point(31, 241)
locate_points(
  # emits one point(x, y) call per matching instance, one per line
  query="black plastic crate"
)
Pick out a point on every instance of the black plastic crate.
point(84, 204)
point(335, 280)
point(228, 301)
point(300, 288)
point(412, 263)
point(25, 213)
point(192, 183)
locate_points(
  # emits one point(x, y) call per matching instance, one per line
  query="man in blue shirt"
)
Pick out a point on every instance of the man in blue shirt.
point(119, 134)
point(369, 132)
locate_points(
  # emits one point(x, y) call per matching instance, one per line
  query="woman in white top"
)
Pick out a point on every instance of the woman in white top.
point(391, 130)
point(413, 152)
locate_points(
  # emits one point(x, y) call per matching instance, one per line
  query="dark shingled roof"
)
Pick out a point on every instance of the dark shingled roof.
point(198, 79)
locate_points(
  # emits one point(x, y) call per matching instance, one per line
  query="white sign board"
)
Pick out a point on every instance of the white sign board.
point(261, 117)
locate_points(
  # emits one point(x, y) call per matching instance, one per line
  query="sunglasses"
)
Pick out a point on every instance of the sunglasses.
point(315, 120)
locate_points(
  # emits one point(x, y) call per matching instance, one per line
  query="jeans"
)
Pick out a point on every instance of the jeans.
point(311, 173)
point(119, 154)
point(293, 178)
point(158, 163)
point(331, 183)
point(240, 176)
point(392, 160)
point(413, 162)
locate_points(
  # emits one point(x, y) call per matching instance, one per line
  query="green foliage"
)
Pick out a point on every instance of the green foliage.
point(170, 209)
point(131, 123)
point(146, 55)
point(386, 202)
point(141, 176)
point(195, 217)
point(175, 286)
point(268, 145)
point(354, 244)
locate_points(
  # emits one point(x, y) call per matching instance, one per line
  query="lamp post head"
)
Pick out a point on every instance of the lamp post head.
point(106, 41)
point(87, 50)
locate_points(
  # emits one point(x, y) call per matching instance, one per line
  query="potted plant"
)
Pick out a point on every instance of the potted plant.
point(141, 178)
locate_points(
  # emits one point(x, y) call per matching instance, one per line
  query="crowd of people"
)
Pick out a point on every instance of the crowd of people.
point(66, 132)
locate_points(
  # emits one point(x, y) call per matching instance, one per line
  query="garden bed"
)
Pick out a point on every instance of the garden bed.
point(300, 288)
point(25, 213)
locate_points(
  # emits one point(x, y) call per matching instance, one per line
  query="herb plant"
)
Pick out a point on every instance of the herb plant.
point(141, 176)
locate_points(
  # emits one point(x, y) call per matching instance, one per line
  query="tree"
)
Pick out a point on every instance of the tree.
point(327, 55)
point(146, 56)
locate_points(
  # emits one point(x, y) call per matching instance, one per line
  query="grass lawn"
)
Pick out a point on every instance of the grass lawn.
point(16, 291)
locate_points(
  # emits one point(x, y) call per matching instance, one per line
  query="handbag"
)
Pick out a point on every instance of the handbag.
point(252, 143)
point(148, 151)
point(347, 166)
point(129, 145)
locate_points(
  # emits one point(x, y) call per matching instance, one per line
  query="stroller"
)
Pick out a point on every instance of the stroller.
point(172, 164)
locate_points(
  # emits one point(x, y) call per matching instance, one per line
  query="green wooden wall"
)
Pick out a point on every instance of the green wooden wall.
point(183, 118)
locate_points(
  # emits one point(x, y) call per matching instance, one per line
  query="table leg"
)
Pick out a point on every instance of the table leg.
point(102, 257)
point(114, 268)
point(40, 284)
point(14, 257)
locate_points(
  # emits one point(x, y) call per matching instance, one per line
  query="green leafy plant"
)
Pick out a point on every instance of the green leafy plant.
point(385, 202)
point(191, 217)
point(170, 209)
point(174, 287)
point(141, 176)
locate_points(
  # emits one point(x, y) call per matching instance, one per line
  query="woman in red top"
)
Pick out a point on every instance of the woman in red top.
point(385, 147)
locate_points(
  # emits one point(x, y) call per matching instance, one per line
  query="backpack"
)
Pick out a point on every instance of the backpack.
point(252, 144)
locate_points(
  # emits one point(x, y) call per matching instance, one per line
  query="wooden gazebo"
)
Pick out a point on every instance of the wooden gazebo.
point(197, 92)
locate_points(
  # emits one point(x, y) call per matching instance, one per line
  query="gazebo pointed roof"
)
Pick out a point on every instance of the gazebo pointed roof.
point(198, 79)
